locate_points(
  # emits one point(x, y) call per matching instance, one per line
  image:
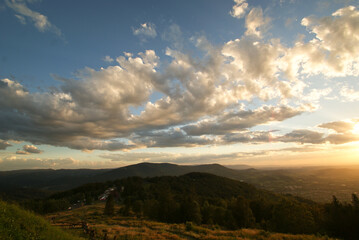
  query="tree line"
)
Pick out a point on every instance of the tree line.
point(202, 198)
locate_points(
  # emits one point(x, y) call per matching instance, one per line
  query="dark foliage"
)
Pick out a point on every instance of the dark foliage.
point(342, 219)
point(202, 198)
point(110, 206)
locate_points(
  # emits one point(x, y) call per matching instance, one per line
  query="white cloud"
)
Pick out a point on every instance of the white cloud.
point(256, 23)
point(29, 149)
point(333, 51)
point(239, 9)
point(349, 94)
point(40, 21)
point(316, 94)
point(203, 100)
point(146, 30)
point(174, 36)
point(108, 59)
point(21, 18)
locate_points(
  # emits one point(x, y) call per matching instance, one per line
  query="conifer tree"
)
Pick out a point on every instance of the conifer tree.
point(110, 206)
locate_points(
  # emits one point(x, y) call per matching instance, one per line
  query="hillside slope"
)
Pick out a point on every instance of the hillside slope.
point(138, 228)
point(16, 223)
point(203, 198)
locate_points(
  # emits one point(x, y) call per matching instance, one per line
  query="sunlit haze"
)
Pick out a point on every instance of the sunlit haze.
point(104, 84)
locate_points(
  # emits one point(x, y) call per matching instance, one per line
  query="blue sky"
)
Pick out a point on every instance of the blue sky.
point(109, 83)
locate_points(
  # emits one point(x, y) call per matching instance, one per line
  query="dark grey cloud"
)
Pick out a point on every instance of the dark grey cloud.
point(171, 138)
point(303, 136)
point(235, 121)
point(248, 137)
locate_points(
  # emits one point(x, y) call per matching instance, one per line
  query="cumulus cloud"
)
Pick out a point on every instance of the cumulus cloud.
point(29, 149)
point(235, 121)
point(239, 9)
point(339, 126)
point(342, 138)
point(316, 94)
point(207, 100)
point(303, 136)
point(248, 137)
point(171, 138)
point(333, 50)
point(108, 59)
point(173, 34)
point(4, 144)
point(256, 23)
point(24, 13)
point(146, 30)
point(349, 94)
point(343, 133)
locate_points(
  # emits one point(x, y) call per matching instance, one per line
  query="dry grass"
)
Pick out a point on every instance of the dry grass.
point(119, 227)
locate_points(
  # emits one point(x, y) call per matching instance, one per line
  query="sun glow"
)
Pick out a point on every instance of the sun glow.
point(356, 129)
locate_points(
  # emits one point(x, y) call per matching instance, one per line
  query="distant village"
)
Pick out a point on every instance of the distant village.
point(102, 197)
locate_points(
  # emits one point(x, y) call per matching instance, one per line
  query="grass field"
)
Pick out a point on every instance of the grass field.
point(119, 227)
point(19, 224)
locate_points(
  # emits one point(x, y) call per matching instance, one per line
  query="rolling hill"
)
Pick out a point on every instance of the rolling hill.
point(316, 183)
point(16, 223)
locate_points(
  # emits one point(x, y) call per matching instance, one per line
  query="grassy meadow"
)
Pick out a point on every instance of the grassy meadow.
point(119, 227)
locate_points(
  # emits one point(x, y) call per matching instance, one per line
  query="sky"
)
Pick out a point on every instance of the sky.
point(104, 84)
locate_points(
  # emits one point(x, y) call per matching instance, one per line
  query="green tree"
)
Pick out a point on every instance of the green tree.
point(191, 211)
point(110, 206)
point(207, 211)
point(242, 213)
point(292, 217)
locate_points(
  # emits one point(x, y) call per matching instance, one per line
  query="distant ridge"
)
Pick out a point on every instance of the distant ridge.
point(165, 169)
point(64, 179)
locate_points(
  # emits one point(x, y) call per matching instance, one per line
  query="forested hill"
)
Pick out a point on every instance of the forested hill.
point(18, 183)
point(316, 183)
point(204, 185)
point(212, 200)
point(202, 198)
point(165, 169)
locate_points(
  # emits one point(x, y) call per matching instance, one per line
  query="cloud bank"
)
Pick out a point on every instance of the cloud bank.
point(189, 101)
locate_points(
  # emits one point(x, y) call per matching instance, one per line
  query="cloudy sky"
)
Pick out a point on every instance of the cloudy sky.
point(99, 84)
